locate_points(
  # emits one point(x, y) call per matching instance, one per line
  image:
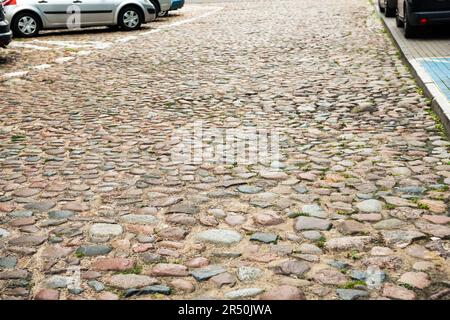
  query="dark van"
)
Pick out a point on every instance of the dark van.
point(416, 14)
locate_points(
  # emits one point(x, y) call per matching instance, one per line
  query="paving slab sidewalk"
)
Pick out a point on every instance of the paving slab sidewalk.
point(429, 60)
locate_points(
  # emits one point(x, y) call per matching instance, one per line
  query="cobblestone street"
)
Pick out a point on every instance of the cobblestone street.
point(356, 206)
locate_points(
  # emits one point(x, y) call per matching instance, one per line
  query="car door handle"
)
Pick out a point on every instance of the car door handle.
point(77, 1)
point(42, 1)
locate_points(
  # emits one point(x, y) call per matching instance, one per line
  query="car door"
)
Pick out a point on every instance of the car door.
point(96, 12)
point(55, 12)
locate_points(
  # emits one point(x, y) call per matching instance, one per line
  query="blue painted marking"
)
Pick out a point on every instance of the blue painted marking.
point(439, 70)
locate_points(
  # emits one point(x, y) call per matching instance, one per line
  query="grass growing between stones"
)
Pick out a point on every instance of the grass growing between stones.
point(439, 126)
point(423, 206)
point(343, 212)
point(175, 261)
point(294, 215)
point(442, 189)
point(420, 91)
point(79, 254)
point(321, 242)
point(354, 254)
point(407, 286)
point(137, 269)
point(420, 205)
point(18, 138)
point(353, 284)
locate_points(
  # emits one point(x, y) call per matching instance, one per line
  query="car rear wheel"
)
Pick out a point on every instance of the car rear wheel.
point(398, 21)
point(388, 12)
point(163, 13)
point(155, 3)
point(130, 18)
point(379, 6)
point(25, 25)
point(410, 31)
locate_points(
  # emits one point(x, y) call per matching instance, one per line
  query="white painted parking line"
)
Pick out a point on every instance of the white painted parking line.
point(16, 74)
point(63, 59)
point(77, 44)
point(169, 26)
point(42, 66)
point(126, 39)
point(18, 44)
point(179, 23)
point(83, 53)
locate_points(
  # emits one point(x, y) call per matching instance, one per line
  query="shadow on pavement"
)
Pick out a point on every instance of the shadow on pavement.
point(6, 57)
point(65, 32)
point(434, 33)
point(99, 30)
point(439, 32)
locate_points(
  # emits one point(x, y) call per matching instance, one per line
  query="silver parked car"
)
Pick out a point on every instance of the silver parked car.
point(27, 17)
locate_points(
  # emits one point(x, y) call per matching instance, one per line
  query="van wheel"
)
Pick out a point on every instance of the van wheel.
point(26, 25)
point(380, 7)
point(389, 12)
point(398, 21)
point(410, 31)
point(155, 3)
point(163, 13)
point(130, 18)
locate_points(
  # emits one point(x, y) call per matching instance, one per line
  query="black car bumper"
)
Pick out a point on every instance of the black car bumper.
point(432, 18)
point(5, 34)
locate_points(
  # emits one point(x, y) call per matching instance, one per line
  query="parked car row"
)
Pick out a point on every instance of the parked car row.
point(27, 17)
point(413, 15)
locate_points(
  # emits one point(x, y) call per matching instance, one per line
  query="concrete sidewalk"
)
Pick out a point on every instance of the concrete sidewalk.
point(429, 59)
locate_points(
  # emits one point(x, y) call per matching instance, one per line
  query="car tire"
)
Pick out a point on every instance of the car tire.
point(398, 21)
point(155, 3)
point(26, 25)
point(130, 18)
point(163, 13)
point(389, 12)
point(380, 7)
point(410, 31)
